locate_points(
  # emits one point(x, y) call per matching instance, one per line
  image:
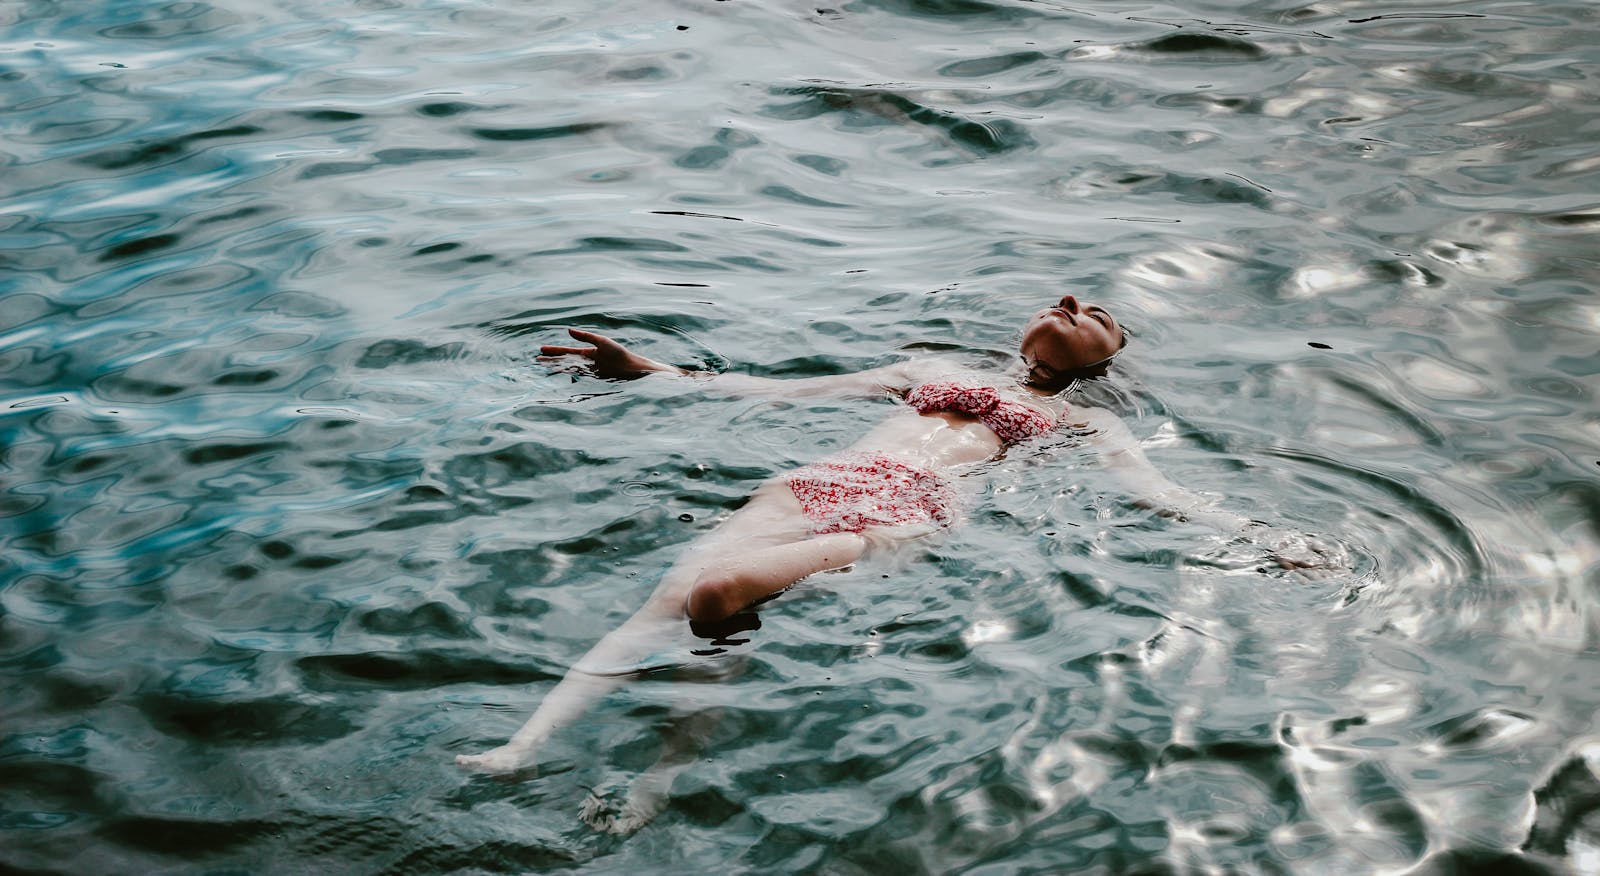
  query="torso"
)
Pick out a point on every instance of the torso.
point(940, 440)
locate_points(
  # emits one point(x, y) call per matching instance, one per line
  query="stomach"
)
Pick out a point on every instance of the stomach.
point(934, 441)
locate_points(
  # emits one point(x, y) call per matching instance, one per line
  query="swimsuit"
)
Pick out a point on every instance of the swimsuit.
point(852, 491)
point(1011, 421)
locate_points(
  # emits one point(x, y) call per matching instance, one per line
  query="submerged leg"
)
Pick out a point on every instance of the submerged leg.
point(603, 669)
point(647, 795)
point(749, 577)
point(725, 571)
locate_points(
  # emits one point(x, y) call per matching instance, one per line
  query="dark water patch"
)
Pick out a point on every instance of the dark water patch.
point(639, 73)
point(1481, 728)
point(520, 462)
point(991, 136)
point(446, 108)
point(140, 246)
point(703, 158)
point(246, 378)
point(1401, 271)
point(330, 115)
point(615, 244)
point(494, 856)
point(187, 838)
point(1566, 816)
point(935, 9)
point(120, 387)
point(746, 262)
point(420, 669)
point(161, 152)
point(784, 193)
point(438, 513)
point(1207, 45)
point(520, 135)
point(263, 721)
point(402, 157)
point(980, 67)
point(1187, 188)
point(407, 351)
point(1576, 220)
point(1482, 862)
point(31, 783)
point(229, 452)
point(428, 619)
point(822, 164)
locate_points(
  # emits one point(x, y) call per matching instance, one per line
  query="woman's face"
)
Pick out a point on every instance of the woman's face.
point(1070, 336)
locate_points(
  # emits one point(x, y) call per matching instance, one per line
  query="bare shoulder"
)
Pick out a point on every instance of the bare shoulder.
point(914, 372)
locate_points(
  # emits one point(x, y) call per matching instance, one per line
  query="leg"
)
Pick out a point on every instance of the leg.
point(772, 516)
point(647, 795)
point(599, 672)
point(745, 578)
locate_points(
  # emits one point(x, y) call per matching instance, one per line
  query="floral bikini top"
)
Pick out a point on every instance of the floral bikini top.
point(1011, 421)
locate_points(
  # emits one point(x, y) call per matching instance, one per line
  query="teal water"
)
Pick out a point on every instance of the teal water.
point(291, 516)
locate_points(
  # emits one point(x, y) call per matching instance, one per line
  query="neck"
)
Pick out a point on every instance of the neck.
point(1024, 378)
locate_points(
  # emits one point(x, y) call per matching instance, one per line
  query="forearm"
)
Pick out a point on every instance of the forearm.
point(1191, 507)
point(859, 384)
point(1149, 487)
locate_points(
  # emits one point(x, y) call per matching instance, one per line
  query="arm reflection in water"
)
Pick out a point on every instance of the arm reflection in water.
point(896, 484)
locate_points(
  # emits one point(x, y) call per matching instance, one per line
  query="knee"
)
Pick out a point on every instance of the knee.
point(711, 599)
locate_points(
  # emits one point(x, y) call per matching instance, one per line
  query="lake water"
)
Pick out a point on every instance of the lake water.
point(292, 516)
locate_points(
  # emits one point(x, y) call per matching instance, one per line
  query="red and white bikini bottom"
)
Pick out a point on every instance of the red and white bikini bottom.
point(852, 491)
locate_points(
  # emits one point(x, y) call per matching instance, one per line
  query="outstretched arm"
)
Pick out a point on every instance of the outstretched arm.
point(1153, 490)
point(608, 358)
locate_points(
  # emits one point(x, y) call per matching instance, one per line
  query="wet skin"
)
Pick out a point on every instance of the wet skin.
point(1066, 338)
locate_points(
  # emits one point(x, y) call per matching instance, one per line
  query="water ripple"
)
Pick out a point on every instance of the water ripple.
point(281, 477)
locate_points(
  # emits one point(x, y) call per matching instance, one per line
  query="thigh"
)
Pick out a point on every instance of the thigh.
point(772, 516)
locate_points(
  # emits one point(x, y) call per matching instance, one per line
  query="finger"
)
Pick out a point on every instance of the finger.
point(553, 350)
point(595, 338)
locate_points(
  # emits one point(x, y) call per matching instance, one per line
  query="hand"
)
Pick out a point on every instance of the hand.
point(607, 358)
point(1300, 551)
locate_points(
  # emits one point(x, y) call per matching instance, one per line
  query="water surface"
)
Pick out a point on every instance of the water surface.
point(292, 516)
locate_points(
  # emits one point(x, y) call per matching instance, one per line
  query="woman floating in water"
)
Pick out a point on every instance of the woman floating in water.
point(897, 483)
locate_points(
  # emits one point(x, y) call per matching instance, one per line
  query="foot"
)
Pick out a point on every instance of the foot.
point(499, 761)
point(635, 812)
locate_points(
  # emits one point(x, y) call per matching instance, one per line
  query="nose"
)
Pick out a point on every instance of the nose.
point(1069, 304)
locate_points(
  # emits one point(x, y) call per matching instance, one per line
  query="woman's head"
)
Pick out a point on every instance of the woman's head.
point(1068, 341)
